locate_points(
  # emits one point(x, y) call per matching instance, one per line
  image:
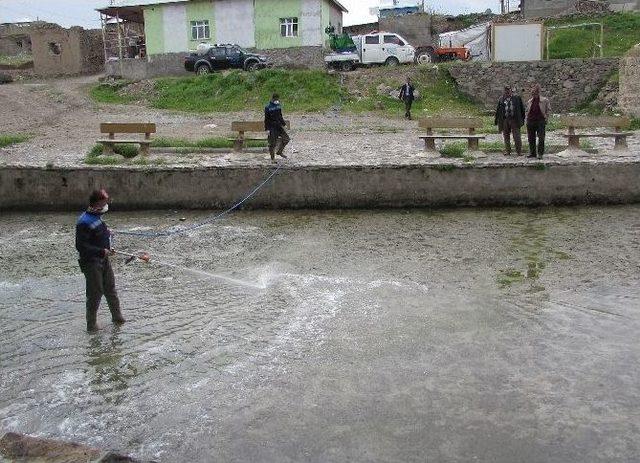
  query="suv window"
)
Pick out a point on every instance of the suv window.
point(372, 39)
point(218, 53)
point(233, 53)
point(394, 39)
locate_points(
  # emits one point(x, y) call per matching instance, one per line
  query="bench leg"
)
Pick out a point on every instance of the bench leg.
point(621, 144)
point(574, 142)
point(474, 144)
point(144, 150)
point(238, 145)
point(429, 144)
point(108, 149)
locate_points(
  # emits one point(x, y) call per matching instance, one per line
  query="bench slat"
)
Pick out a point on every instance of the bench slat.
point(457, 137)
point(593, 122)
point(598, 135)
point(125, 127)
point(112, 141)
point(251, 126)
point(449, 123)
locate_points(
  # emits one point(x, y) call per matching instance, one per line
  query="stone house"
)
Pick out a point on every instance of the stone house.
point(543, 8)
point(280, 27)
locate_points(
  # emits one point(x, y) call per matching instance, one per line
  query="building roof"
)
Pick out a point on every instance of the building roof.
point(129, 3)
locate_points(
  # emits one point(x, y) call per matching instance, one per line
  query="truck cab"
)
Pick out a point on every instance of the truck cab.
point(374, 48)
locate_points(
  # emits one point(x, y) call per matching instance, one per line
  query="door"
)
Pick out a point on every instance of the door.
point(395, 46)
point(371, 49)
point(218, 58)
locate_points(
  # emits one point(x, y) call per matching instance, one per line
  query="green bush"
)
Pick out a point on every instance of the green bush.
point(7, 139)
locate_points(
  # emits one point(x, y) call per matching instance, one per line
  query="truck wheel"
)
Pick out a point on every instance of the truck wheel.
point(203, 70)
point(392, 61)
point(346, 66)
point(252, 66)
point(425, 57)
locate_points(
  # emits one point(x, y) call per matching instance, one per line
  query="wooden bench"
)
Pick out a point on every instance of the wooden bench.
point(243, 127)
point(113, 128)
point(585, 122)
point(471, 124)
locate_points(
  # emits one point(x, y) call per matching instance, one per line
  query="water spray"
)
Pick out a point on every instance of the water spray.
point(143, 256)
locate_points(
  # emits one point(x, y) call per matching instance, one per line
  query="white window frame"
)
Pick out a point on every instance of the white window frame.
point(289, 27)
point(200, 30)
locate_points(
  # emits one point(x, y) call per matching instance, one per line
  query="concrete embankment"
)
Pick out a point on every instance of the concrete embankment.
point(28, 449)
point(390, 186)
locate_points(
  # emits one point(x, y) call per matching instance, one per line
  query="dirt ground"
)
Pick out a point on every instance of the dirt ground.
point(64, 123)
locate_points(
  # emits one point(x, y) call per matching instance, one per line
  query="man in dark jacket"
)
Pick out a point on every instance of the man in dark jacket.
point(407, 95)
point(275, 124)
point(509, 119)
point(93, 242)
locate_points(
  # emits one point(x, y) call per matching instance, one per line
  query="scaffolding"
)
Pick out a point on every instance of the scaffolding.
point(123, 33)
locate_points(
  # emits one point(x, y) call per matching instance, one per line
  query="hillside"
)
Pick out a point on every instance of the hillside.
point(621, 33)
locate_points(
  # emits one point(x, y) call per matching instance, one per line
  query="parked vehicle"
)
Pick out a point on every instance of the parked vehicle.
point(209, 58)
point(374, 48)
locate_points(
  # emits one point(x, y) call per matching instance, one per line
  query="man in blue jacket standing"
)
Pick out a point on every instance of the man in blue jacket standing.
point(93, 242)
point(275, 124)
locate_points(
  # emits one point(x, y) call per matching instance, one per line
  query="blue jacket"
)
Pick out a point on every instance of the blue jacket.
point(92, 237)
point(273, 119)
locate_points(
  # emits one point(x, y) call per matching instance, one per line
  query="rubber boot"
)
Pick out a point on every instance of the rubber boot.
point(116, 317)
point(92, 324)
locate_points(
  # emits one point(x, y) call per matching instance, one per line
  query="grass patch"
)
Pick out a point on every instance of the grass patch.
point(635, 124)
point(445, 167)
point(95, 154)
point(16, 60)
point(214, 142)
point(8, 139)
point(300, 90)
point(621, 32)
point(109, 93)
point(508, 277)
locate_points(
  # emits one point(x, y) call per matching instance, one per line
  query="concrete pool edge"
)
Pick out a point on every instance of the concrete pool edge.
point(326, 187)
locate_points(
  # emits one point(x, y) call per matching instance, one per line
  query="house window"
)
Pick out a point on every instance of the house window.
point(200, 30)
point(54, 48)
point(289, 27)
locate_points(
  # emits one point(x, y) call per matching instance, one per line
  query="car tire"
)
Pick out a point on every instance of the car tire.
point(392, 62)
point(346, 66)
point(252, 66)
point(203, 70)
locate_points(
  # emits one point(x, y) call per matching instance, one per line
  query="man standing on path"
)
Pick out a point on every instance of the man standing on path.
point(275, 124)
point(538, 112)
point(509, 119)
point(407, 95)
point(93, 242)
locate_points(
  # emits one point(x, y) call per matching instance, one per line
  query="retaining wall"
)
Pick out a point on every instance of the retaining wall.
point(629, 99)
point(568, 82)
point(324, 187)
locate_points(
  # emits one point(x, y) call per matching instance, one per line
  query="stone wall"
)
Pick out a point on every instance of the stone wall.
point(172, 64)
point(296, 58)
point(629, 97)
point(568, 83)
point(326, 187)
point(58, 51)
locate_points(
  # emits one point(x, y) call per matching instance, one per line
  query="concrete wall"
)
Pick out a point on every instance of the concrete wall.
point(267, 17)
point(323, 187)
point(629, 97)
point(170, 64)
point(176, 35)
point(543, 8)
point(567, 82)
point(238, 25)
point(198, 11)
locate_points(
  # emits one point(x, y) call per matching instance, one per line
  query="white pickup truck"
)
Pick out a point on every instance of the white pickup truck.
point(375, 48)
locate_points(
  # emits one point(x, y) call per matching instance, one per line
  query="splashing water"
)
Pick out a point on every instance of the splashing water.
point(216, 276)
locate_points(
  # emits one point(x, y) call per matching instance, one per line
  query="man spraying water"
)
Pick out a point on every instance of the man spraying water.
point(93, 242)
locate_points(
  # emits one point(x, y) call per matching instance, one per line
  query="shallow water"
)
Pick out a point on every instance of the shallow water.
point(472, 335)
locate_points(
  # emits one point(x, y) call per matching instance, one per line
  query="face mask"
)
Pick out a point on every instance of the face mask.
point(104, 209)
point(276, 102)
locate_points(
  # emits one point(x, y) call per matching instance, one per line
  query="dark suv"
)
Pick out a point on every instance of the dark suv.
point(220, 57)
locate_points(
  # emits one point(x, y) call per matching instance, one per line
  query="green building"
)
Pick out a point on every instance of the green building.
point(173, 26)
